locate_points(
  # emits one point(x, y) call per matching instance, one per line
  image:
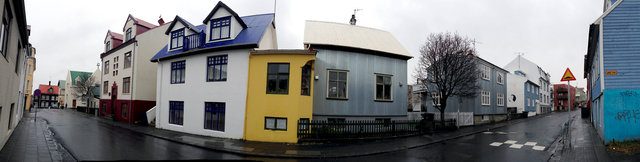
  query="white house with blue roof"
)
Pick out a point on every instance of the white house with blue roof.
point(203, 70)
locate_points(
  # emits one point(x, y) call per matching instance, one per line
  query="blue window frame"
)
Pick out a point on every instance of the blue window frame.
point(177, 72)
point(176, 112)
point(214, 115)
point(177, 38)
point(220, 28)
point(217, 68)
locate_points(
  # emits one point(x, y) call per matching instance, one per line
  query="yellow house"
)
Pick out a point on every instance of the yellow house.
point(279, 94)
point(31, 67)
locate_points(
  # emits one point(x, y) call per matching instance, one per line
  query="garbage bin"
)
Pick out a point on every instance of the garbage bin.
point(585, 112)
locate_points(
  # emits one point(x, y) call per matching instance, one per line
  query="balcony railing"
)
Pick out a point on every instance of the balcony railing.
point(193, 41)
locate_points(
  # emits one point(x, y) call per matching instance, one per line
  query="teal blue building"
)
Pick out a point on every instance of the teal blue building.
point(612, 69)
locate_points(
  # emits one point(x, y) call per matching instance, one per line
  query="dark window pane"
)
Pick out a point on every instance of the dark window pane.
point(387, 92)
point(343, 76)
point(272, 68)
point(342, 89)
point(284, 68)
point(333, 76)
point(333, 89)
point(379, 89)
point(271, 83)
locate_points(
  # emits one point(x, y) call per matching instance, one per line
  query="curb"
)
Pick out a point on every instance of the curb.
point(258, 154)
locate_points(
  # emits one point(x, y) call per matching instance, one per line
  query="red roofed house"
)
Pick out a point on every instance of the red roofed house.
point(128, 79)
point(48, 96)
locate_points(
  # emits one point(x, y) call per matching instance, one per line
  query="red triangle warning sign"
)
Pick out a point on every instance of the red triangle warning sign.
point(568, 76)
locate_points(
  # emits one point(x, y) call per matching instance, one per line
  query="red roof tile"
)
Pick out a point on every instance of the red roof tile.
point(141, 22)
point(116, 35)
point(44, 89)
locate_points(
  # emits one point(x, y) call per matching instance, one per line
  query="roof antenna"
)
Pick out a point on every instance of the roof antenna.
point(353, 17)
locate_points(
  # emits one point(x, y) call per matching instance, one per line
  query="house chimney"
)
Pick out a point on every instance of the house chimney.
point(353, 19)
point(161, 21)
point(49, 83)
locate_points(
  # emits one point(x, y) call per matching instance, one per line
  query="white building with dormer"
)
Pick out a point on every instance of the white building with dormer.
point(128, 80)
point(202, 71)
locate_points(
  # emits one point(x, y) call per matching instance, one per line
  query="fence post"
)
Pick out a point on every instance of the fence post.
point(393, 127)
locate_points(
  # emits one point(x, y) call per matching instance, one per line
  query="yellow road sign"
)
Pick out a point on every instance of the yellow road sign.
point(568, 76)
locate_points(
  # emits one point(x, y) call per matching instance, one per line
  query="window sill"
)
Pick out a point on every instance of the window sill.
point(378, 100)
point(219, 39)
point(217, 80)
point(220, 131)
point(172, 124)
point(277, 93)
point(177, 83)
point(275, 129)
point(332, 98)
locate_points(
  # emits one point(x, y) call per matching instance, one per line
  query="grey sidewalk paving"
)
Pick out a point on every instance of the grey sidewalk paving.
point(306, 150)
point(586, 145)
point(33, 141)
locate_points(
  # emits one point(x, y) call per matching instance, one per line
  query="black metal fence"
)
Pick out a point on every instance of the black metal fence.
point(322, 129)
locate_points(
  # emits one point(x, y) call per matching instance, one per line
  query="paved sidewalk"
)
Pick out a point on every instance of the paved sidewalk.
point(33, 141)
point(585, 146)
point(305, 150)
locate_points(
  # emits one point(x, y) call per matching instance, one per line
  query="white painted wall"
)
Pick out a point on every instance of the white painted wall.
point(129, 24)
point(268, 40)
point(233, 92)
point(534, 74)
point(149, 44)
point(122, 72)
point(515, 86)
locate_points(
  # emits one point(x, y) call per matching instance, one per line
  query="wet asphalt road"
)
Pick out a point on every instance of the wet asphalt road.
point(476, 147)
point(88, 139)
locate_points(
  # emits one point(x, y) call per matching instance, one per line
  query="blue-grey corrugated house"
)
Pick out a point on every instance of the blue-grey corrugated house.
point(489, 105)
point(612, 69)
point(361, 73)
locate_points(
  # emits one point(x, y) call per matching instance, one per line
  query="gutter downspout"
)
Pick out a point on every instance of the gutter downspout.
point(131, 81)
point(158, 92)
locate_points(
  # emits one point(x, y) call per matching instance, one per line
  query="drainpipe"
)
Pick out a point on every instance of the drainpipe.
point(131, 81)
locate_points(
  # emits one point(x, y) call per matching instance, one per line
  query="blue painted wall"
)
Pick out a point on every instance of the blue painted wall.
point(361, 68)
point(621, 114)
point(531, 95)
point(621, 46)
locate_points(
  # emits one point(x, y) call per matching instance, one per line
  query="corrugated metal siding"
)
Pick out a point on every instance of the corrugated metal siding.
point(621, 46)
point(361, 84)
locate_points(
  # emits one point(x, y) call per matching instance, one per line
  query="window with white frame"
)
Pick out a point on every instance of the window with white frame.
point(485, 117)
point(383, 87)
point(435, 96)
point(486, 97)
point(528, 102)
point(500, 99)
point(127, 35)
point(337, 84)
point(486, 72)
point(500, 79)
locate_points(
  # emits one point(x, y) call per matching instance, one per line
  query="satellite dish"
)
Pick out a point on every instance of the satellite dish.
point(513, 97)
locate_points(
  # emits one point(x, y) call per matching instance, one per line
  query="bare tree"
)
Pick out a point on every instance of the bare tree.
point(83, 88)
point(447, 67)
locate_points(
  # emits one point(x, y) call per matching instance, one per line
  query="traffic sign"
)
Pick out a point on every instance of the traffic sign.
point(568, 76)
point(37, 92)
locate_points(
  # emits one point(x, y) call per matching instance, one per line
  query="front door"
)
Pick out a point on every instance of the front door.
point(114, 97)
point(74, 104)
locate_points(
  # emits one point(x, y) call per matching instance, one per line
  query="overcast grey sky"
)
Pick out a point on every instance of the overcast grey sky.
point(69, 34)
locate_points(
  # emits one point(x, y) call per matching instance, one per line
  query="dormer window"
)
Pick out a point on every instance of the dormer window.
point(107, 46)
point(220, 28)
point(128, 35)
point(177, 38)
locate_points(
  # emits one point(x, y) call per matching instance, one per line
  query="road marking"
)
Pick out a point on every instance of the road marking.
point(510, 142)
point(518, 146)
point(487, 132)
point(495, 144)
point(530, 143)
point(539, 148)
